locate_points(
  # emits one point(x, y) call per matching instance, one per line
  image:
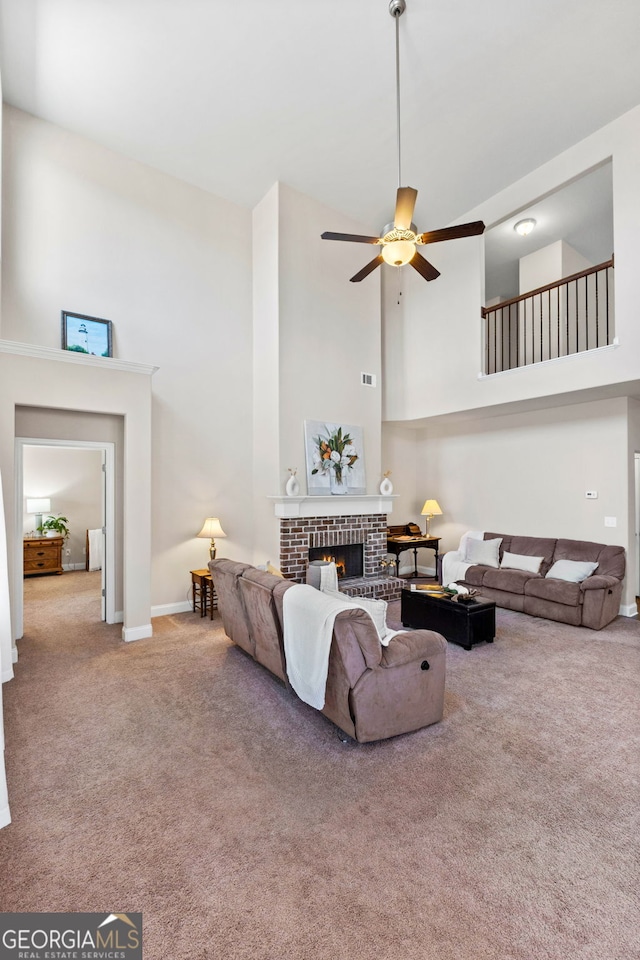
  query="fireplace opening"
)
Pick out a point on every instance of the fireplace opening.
point(348, 558)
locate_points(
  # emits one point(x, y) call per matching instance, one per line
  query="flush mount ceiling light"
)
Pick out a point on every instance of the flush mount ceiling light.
point(399, 238)
point(524, 227)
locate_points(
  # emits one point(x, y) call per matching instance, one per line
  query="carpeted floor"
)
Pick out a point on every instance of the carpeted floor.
point(175, 777)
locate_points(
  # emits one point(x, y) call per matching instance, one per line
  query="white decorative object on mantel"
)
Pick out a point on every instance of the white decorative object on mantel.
point(287, 507)
point(293, 486)
point(386, 487)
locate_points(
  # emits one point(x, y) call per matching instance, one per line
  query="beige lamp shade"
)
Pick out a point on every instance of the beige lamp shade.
point(212, 529)
point(430, 510)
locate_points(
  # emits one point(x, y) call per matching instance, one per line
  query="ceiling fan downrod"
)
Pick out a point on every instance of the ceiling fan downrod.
point(396, 9)
point(400, 238)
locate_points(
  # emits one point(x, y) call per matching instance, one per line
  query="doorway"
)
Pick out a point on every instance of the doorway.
point(104, 494)
point(636, 462)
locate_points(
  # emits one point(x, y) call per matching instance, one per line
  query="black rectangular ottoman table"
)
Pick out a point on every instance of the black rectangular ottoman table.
point(462, 623)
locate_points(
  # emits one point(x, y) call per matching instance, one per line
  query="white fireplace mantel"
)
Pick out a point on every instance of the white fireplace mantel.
point(288, 507)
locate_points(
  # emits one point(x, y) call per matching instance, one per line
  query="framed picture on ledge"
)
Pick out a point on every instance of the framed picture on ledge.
point(89, 335)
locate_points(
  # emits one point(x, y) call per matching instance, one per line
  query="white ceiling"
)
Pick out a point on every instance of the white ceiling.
point(581, 213)
point(232, 96)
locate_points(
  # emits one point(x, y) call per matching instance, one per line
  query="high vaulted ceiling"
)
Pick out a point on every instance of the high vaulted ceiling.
point(231, 96)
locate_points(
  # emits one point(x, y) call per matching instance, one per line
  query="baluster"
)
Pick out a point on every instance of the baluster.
point(597, 313)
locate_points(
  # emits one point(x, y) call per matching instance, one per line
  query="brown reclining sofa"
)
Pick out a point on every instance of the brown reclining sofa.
point(373, 691)
point(593, 603)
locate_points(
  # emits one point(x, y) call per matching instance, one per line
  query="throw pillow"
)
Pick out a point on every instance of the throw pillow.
point(485, 552)
point(377, 610)
point(518, 561)
point(274, 570)
point(574, 571)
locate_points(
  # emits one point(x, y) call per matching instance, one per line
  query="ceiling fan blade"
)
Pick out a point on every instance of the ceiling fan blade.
point(424, 268)
point(353, 237)
point(452, 233)
point(370, 267)
point(405, 205)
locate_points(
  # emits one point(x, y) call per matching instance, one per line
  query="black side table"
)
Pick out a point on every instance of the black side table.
point(398, 545)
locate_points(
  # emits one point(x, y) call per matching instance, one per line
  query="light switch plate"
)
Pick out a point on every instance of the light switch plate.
point(591, 494)
point(611, 521)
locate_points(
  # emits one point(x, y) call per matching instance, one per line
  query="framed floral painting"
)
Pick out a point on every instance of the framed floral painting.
point(334, 454)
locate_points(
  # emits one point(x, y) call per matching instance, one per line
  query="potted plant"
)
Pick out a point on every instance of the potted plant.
point(55, 527)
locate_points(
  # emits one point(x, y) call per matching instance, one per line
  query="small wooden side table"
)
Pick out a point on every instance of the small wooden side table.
point(204, 595)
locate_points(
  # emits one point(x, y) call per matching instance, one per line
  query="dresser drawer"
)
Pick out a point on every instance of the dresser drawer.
point(41, 565)
point(41, 552)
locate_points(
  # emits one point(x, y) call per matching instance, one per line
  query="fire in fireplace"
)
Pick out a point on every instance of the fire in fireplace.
point(348, 558)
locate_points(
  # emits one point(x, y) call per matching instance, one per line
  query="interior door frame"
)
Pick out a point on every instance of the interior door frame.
point(108, 487)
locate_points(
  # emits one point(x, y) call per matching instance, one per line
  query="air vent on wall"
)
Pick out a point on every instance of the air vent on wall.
point(368, 379)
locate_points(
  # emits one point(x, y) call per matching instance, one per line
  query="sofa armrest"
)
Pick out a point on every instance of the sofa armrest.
point(599, 583)
point(412, 645)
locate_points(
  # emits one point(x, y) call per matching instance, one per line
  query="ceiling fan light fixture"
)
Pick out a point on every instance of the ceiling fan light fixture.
point(398, 252)
point(524, 227)
point(400, 237)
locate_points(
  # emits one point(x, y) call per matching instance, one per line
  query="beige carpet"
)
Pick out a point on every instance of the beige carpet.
point(176, 777)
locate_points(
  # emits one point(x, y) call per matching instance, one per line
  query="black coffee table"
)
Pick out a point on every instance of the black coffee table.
point(462, 623)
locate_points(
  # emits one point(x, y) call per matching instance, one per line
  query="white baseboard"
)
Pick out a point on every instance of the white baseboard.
point(137, 633)
point(14, 653)
point(5, 816)
point(73, 566)
point(166, 609)
point(628, 610)
point(8, 673)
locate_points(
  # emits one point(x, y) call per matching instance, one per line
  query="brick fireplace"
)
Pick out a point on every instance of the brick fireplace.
point(300, 534)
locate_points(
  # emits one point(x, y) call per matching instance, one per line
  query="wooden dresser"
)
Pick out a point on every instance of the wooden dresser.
point(42, 555)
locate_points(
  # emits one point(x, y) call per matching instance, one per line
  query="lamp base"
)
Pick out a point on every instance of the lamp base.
point(212, 550)
point(426, 529)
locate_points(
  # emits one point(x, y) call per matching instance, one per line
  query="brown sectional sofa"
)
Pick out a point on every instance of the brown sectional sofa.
point(592, 603)
point(373, 691)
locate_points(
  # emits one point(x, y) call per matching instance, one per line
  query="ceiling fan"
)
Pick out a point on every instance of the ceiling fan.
point(400, 238)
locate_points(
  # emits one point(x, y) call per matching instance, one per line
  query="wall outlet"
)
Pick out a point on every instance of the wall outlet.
point(591, 494)
point(611, 521)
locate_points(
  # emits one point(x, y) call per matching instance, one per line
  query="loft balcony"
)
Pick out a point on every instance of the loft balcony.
point(570, 316)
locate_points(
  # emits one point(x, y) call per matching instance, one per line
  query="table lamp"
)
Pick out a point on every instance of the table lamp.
point(430, 510)
point(210, 530)
point(38, 505)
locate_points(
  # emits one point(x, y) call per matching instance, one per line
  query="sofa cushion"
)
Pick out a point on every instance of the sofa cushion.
point(535, 547)
point(485, 552)
point(573, 571)
point(518, 561)
point(512, 581)
point(377, 609)
point(475, 575)
point(611, 559)
point(556, 591)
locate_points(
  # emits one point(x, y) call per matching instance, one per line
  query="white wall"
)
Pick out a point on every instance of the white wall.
point(549, 264)
point(86, 229)
point(72, 479)
point(439, 325)
point(314, 334)
point(65, 381)
point(527, 473)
